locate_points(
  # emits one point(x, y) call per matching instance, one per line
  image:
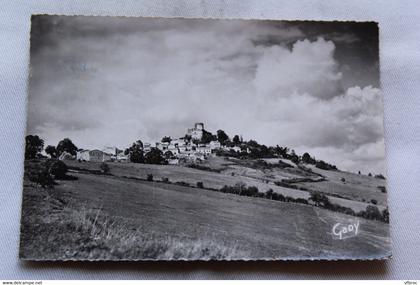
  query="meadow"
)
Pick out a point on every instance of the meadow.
point(123, 216)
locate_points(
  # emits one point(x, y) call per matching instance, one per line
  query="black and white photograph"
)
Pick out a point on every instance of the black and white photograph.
point(203, 139)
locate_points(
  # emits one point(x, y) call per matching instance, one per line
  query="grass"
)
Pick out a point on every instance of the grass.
point(349, 194)
point(109, 217)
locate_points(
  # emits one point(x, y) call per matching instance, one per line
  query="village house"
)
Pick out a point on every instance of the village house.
point(147, 147)
point(215, 145)
point(93, 155)
point(66, 156)
point(175, 150)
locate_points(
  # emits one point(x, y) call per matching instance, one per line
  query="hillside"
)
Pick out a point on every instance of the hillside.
point(356, 192)
point(111, 217)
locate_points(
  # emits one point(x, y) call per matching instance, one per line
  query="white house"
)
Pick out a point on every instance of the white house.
point(93, 155)
point(236, 149)
point(214, 145)
point(66, 156)
point(147, 147)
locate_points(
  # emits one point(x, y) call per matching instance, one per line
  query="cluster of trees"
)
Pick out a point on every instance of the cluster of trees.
point(136, 154)
point(372, 212)
point(46, 172)
point(34, 146)
point(220, 136)
point(240, 188)
point(252, 149)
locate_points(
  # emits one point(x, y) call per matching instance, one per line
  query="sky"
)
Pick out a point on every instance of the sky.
point(109, 81)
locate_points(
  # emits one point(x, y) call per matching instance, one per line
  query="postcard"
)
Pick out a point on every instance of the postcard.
point(203, 139)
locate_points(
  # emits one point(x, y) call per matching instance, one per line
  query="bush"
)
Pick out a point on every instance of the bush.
point(202, 167)
point(385, 215)
point(380, 176)
point(320, 199)
point(105, 168)
point(149, 177)
point(373, 213)
point(165, 179)
point(43, 178)
point(251, 191)
point(343, 179)
point(301, 201)
point(382, 188)
point(182, 183)
point(325, 166)
point(57, 169)
point(269, 194)
point(240, 188)
point(200, 184)
point(374, 202)
point(349, 211)
point(289, 199)
point(279, 197)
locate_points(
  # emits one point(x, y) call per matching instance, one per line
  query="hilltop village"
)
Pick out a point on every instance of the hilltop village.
point(195, 146)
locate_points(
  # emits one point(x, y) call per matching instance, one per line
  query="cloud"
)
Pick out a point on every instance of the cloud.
point(301, 102)
point(309, 67)
point(111, 81)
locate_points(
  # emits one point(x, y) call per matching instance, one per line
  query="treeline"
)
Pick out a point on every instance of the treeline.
point(34, 145)
point(253, 150)
point(316, 199)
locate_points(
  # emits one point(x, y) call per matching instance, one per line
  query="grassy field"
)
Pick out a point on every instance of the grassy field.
point(111, 217)
point(356, 192)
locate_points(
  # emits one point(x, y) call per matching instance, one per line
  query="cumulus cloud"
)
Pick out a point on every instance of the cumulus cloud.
point(309, 67)
point(111, 81)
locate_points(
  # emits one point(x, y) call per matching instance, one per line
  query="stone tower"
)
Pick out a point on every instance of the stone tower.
point(196, 133)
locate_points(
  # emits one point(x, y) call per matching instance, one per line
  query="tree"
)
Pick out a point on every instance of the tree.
point(325, 166)
point(373, 213)
point(207, 137)
point(57, 168)
point(51, 151)
point(222, 137)
point(66, 145)
point(385, 215)
point(236, 140)
point(294, 159)
point(135, 152)
point(380, 176)
point(34, 146)
point(306, 157)
point(320, 199)
point(282, 151)
point(168, 154)
point(154, 156)
point(269, 194)
point(166, 139)
point(253, 143)
point(105, 168)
